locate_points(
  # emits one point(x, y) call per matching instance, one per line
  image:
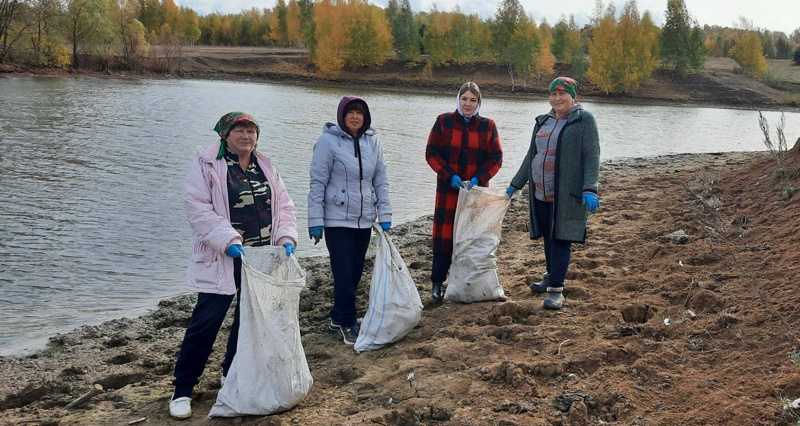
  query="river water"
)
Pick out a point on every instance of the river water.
point(92, 225)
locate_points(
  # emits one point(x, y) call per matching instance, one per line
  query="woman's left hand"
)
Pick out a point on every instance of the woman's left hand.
point(591, 201)
point(289, 248)
point(472, 182)
point(386, 226)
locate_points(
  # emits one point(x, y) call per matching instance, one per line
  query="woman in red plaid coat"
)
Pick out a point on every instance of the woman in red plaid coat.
point(464, 150)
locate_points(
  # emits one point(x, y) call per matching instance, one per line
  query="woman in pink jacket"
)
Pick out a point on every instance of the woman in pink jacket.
point(234, 198)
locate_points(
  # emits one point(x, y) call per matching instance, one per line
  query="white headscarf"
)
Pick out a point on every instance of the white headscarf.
point(458, 106)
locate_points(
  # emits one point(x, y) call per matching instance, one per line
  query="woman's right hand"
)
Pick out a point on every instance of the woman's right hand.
point(315, 232)
point(455, 182)
point(234, 251)
point(510, 191)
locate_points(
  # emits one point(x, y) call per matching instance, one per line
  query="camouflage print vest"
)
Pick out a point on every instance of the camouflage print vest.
point(250, 199)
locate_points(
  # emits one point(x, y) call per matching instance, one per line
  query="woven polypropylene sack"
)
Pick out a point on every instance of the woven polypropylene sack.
point(395, 307)
point(269, 373)
point(476, 234)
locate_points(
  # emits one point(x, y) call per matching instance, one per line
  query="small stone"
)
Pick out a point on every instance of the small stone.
point(678, 237)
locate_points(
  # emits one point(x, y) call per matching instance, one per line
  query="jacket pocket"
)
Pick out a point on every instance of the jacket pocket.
point(204, 269)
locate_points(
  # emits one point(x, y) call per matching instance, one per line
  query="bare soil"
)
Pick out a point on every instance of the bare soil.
point(694, 330)
point(716, 85)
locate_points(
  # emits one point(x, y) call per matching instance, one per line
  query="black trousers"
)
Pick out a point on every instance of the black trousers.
point(347, 248)
point(440, 267)
point(207, 318)
point(557, 253)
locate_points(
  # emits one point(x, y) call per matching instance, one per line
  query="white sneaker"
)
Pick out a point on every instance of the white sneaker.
point(222, 380)
point(180, 408)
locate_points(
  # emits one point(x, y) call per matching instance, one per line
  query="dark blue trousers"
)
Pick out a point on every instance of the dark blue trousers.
point(207, 318)
point(557, 253)
point(347, 248)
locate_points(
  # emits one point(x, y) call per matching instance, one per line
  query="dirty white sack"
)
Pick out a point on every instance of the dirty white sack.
point(269, 373)
point(395, 307)
point(476, 234)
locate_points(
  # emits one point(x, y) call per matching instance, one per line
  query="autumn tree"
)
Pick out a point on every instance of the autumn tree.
point(749, 54)
point(622, 51)
point(279, 27)
point(526, 45)
point(435, 40)
point(543, 62)
point(370, 38)
point(293, 32)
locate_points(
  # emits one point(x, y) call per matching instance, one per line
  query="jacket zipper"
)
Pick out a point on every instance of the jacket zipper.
point(360, 179)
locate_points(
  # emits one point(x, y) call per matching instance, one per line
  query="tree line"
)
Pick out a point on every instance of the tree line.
point(618, 50)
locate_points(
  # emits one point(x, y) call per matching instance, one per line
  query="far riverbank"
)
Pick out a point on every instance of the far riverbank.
point(717, 85)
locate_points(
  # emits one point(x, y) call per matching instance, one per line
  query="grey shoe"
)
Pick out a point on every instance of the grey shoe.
point(554, 298)
point(541, 286)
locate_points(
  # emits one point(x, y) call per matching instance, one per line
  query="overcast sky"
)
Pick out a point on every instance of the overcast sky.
point(775, 15)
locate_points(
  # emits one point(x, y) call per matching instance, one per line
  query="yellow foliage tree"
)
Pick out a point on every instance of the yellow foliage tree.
point(435, 39)
point(369, 38)
point(622, 53)
point(350, 32)
point(293, 23)
point(749, 54)
point(543, 62)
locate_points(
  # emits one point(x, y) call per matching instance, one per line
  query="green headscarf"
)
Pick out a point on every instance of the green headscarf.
point(226, 123)
point(567, 84)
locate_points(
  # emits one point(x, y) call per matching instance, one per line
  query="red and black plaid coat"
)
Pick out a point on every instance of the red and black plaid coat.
point(454, 150)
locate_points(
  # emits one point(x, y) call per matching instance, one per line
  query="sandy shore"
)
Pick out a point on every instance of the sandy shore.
point(698, 329)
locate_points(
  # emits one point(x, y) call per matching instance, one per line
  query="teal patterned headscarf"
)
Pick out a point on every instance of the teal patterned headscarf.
point(226, 123)
point(569, 85)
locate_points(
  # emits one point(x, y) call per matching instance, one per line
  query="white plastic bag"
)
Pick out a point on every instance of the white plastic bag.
point(395, 307)
point(269, 373)
point(476, 234)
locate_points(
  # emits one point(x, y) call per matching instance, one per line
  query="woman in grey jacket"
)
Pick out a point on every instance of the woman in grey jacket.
point(562, 169)
point(349, 191)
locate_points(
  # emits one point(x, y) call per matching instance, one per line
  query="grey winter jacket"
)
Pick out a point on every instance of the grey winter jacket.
point(344, 193)
point(576, 171)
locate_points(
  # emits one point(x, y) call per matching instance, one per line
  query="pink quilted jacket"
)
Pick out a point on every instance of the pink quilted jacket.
point(206, 200)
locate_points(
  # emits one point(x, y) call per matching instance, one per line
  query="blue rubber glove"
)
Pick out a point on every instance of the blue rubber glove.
point(386, 226)
point(510, 191)
point(235, 250)
point(455, 182)
point(315, 232)
point(472, 182)
point(591, 201)
point(289, 248)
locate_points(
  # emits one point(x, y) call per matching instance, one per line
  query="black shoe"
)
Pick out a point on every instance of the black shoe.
point(334, 326)
point(350, 334)
point(437, 293)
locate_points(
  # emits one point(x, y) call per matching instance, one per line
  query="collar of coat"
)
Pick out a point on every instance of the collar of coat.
point(574, 117)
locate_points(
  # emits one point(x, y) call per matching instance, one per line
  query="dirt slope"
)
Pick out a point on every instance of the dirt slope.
point(701, 330)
